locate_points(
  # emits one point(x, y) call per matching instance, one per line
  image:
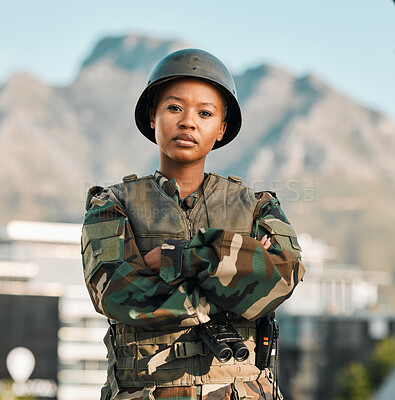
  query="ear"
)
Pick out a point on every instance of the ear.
point(221, 131)
point(152, 118)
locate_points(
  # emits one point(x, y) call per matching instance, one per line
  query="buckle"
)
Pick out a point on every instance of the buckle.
point(180, 350)
point(188, 349)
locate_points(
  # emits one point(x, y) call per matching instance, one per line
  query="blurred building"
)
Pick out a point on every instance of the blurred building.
point(44, 306)
point(29, 320)
point(337, 315)
point(333, 289)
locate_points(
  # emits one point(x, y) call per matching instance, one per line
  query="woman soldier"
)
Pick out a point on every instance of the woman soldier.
point(182, 262)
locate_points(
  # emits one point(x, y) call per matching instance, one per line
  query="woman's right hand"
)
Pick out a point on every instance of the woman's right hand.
point(152, 259)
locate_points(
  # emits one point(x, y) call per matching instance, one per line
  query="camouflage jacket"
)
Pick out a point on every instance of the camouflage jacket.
point(215, 271)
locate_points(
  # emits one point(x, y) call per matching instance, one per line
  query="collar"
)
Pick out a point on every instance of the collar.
point(171, 188)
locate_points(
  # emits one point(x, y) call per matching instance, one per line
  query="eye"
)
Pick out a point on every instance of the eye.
point(173, 107)
point(205, 113)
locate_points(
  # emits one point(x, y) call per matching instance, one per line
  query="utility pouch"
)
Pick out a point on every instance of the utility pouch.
point(267, 333)
point(284, 234)
point(223, 340)
point(101, 242)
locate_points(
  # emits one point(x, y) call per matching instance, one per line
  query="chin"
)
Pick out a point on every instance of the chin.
point(186, 157)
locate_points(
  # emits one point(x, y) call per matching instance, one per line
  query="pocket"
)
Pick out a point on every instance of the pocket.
point(101, 242)
point(284, 234)
point(146, 241)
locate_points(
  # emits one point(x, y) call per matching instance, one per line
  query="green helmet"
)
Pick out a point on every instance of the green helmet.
point(194, 63)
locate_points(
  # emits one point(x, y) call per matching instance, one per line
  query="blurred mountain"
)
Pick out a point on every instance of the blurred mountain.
point(328, 158)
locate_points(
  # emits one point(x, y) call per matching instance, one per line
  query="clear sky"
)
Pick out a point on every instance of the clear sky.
point(348, 43)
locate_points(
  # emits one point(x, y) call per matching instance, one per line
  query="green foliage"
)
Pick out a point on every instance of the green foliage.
point(382, 360)
point(358, 382)
point(354, 383)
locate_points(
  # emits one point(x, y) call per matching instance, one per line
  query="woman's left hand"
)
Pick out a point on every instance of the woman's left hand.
point(266, 241)
point(152, 259)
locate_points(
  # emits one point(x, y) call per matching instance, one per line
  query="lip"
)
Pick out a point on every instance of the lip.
point(185, 140)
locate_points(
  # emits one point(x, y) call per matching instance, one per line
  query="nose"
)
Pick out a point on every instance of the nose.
point(187, 120)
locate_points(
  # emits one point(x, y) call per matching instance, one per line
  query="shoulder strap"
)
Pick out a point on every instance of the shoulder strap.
point(129, 178)
point(235, 179)
point(230, 178)
point(133, 177)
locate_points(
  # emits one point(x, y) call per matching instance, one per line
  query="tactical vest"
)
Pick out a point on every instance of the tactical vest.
point(154, 216)
point(143, 358)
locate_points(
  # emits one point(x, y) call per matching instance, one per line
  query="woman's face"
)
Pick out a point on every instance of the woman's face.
point(188, 119)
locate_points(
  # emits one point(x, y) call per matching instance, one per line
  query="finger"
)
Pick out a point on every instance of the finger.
point(263, 239)
point(267, 244)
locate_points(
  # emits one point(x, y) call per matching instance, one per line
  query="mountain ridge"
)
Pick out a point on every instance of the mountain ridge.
point(55, 142)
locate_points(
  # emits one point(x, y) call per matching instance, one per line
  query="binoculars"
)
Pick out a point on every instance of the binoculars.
point(223, 341)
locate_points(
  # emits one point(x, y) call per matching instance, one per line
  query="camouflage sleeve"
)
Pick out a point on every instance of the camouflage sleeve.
point(120, 285)
point(235, 272)
point(270, 220)
point(216, 270)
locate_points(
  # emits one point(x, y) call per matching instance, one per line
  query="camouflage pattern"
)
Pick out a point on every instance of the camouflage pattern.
point(171, 188)
point(214, 271)
point(155, 218)
point(234, 272)
point(261, 389)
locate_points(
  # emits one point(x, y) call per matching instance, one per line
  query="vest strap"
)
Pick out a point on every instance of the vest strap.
point(125, 363)
point(241, 391)
point(189, 349)
point(148, 392)
point(138, 362)
point(125, 339)
point(112, 380)
point(178, 350)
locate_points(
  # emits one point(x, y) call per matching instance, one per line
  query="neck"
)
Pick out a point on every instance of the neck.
point(189, 177)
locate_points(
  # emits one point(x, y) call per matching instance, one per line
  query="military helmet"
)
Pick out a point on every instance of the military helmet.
point(190, 63)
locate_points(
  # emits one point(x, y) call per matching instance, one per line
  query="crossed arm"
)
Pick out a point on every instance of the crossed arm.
point(153, 258)
point(182, 284)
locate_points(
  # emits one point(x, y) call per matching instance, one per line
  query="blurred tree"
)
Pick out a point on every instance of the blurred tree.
point(357, 382)
point(353, 383)
point(382, 361)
